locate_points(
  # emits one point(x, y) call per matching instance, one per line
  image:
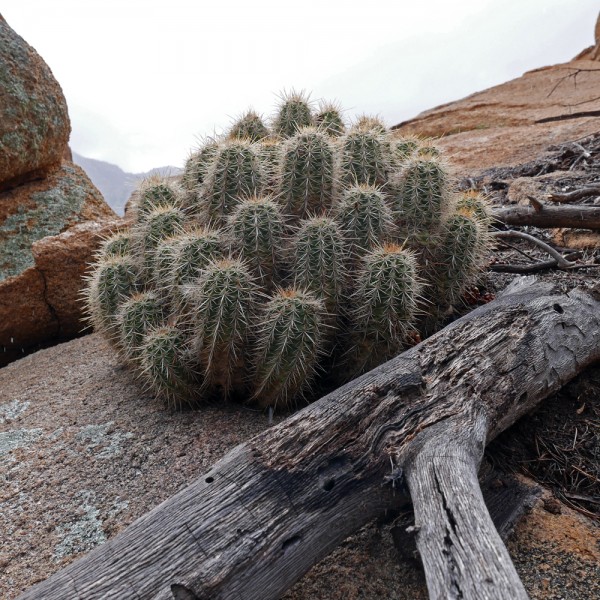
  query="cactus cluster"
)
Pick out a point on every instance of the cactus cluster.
point(290, 256)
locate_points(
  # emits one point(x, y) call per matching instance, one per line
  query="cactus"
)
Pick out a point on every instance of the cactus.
point(364, 157)
point(294, 113)
point(164, 367)
point(329, 119)
point(112, 281)
point(385, 301)
point(159, 224)
point(365, 217)
point(222, 301)
point(256, 228)
point(369, 123)
point(473, 204)
point(196, 168)
point(153, 193)
point(116, 244)
point(290, 254)
point(136, 315)
point(456, 258)
point(249, 126)
point(423, 195)
point(235, 173)
point(289, 343)
point(404, 148)
point(306, 174)
point(319, 260)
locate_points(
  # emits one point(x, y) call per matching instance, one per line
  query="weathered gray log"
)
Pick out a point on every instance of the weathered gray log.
point(542, 215)
point(264, 514)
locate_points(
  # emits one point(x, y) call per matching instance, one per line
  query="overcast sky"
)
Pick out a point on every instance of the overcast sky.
point(145, 79)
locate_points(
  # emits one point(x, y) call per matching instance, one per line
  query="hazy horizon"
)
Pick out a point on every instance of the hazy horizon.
point(144, 81)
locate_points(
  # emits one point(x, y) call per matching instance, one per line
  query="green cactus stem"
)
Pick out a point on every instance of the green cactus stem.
point(221, 302)
point(116, 244)
point(294, 113)
point(385, 306)
point(249, 126)
point(458, 256)
point(364, 157)
point(365, 217)
point(320, 254)
point(329, 119)
point(235, 173)
point(164, 365)
point(161, 223)
point(112, 281)
point(256, 229)
point(136, 315)
point(153, 193)
point(423, 195)
point(289, 343)
point(306, 174)
point(370, 123)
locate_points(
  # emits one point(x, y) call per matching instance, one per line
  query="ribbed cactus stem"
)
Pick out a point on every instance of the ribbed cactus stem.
point(164, 365)
point(370, 123)
point(222, 302)
point(460, 253)
point(306, 174)
point(365, 217)
point(256, 228)
point(194, 173)
point(423, 195)
point(153, 193)
point(364, 157)
point(117, 244)
point(112, 281)
point(473, 204)
point(269, 153)
point(235, 173)
point(249, 126)
point(289, 343)
point(195, 250)
point(160, 223)
point(329, 119)
point(319, 260)
point(404, 147)
point(386, 299)
point(294, 113)
point(137, 314)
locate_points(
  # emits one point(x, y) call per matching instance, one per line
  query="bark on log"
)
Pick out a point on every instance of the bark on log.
point(582, 217)
point(264, 514)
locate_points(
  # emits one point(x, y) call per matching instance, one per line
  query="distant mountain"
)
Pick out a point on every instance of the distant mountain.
point(115, 184)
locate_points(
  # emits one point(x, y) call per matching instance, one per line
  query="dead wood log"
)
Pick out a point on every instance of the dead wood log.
point(264, 514)
point(543, 215)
